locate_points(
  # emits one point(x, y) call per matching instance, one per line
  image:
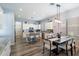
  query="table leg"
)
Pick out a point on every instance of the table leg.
point(71, 50)
point(57, 50)
point(67, 48)
point(74, 48)
point(43, 47)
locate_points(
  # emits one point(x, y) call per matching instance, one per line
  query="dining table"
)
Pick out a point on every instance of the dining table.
point(59, 41)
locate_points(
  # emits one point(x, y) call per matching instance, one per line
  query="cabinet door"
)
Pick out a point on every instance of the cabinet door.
point(7, 50)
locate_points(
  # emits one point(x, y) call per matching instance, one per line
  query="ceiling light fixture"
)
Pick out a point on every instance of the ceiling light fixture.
point(1, 12)
point(20, 9)
point(58, 14)
point(58, 21)
point(52, 3)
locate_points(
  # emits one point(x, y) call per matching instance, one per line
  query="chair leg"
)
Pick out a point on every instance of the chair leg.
point(50, 53)
point(74, 48)
point(43, 47)
point(50, 48)
point(43, 50)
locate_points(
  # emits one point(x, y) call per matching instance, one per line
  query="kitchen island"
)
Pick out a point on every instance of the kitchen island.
point(5, 46)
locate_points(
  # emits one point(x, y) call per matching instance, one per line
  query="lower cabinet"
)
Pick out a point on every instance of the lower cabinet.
point(7, 50)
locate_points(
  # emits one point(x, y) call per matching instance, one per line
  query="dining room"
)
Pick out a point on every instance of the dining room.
point(40, 29)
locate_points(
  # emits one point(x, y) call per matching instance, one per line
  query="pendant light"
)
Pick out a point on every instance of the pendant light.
point(57, 20)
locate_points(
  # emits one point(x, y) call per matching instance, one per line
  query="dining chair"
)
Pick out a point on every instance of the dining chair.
point(69, 46)
point(47, 44)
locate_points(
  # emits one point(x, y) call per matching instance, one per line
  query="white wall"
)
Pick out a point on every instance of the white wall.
point(72, 16)
point(2, 28)
point(7, 25)
point(73, 22)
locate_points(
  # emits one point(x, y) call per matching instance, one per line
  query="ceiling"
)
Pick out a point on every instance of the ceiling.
point(35, 11)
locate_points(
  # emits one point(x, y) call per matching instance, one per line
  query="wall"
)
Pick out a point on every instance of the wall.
point(2, 31)
point(73, 21)
point(53, 25)
point(72, 17)
point(70, 22)
point(7, 26)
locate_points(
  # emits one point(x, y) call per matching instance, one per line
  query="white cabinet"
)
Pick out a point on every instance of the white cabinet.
point(6, 51)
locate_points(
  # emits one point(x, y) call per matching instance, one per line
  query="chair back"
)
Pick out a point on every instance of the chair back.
point(46, 41)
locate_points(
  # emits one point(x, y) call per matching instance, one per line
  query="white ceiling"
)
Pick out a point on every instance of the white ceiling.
point(35, 11)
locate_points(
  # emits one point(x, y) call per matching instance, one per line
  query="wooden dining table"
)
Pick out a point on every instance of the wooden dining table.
point(59, 41)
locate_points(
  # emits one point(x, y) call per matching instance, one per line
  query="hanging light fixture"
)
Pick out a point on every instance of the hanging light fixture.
point(57, 20)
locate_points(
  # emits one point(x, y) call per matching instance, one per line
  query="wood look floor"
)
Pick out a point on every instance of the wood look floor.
point(22, 48)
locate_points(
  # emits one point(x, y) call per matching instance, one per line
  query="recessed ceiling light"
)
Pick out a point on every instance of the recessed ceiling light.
point(20, 9)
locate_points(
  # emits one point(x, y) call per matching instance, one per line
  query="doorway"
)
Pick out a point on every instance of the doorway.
point(19, 31)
